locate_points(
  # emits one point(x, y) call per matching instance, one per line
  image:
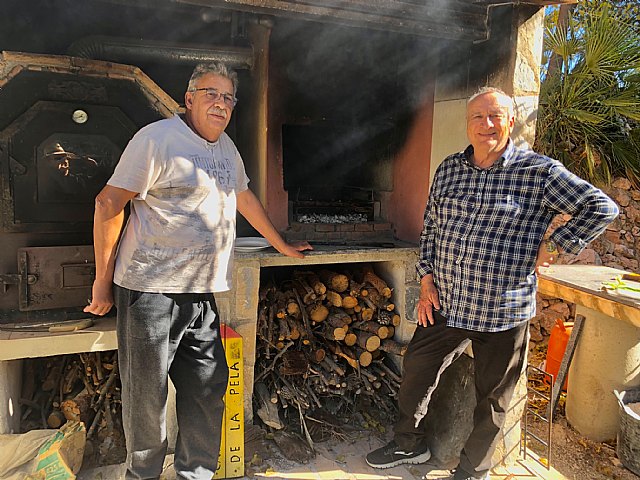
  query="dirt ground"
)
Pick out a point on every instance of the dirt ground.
point(573, 455)
point(578, 458)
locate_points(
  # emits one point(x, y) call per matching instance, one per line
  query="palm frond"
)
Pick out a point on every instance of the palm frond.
point(586, 107)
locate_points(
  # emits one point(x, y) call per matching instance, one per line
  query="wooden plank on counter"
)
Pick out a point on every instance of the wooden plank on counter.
point(582, 284)
point(100, 337)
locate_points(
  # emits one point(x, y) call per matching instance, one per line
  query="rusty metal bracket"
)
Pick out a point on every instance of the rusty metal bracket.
point(570, 349)
point(7, 279)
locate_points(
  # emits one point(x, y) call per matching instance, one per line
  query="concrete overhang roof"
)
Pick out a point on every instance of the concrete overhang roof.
point(540, 3)
point(451, 19)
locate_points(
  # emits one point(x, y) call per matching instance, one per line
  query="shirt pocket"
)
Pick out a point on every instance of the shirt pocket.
point(509, 205)
point(454, 205)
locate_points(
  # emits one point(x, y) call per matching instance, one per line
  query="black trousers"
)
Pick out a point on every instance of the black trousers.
point(499, 359)
point(178, 336)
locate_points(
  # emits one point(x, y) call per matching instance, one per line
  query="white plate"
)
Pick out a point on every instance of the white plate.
point(251, 244)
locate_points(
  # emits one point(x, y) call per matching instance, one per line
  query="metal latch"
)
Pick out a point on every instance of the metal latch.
point(15, 279)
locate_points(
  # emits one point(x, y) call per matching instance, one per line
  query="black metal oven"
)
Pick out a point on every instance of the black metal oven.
point(63, 125)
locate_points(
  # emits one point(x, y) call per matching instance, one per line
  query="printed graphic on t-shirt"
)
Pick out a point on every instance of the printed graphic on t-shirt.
point(220, 169)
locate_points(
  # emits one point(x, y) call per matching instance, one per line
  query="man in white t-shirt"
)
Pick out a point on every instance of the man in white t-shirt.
point(184, 179)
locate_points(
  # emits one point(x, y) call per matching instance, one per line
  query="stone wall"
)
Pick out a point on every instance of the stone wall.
point(617, 247)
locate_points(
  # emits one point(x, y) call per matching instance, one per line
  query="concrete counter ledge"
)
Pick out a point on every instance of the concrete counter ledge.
point(582, 284)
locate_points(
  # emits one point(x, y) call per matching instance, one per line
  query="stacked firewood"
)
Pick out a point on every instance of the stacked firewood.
point(323, 340)
point(83, 387)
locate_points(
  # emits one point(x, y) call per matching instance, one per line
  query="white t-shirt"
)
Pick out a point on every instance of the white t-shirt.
point(180, 234)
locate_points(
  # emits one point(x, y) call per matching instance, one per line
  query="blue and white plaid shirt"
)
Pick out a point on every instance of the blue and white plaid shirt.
point(483, 228)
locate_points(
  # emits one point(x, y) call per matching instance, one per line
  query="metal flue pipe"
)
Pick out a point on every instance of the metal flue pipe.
point(134, 51)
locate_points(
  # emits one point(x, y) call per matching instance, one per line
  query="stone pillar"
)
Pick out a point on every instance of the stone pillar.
point(242, 317)
point(449, 420)
point(525, 74)
point(607, 357)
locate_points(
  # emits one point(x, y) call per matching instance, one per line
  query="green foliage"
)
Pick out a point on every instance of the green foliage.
point(626, 11)
point(589, 116)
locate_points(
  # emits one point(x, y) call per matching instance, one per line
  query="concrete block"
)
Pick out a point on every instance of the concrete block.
point(412, 297)
point(10, 388)
point(248, 333)
point(246, 292)
point(449, 420)
point(224, 304)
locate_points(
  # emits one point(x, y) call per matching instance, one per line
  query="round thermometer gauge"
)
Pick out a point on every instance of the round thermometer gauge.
point(79, 116)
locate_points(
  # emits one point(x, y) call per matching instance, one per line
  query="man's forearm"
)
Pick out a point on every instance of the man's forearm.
point(250, 208)
point(106, 232)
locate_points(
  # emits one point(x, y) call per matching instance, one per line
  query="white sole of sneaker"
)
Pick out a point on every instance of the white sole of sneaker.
point(422, 458)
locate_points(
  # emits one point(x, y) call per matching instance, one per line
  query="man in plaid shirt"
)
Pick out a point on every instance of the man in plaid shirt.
point(482, 242)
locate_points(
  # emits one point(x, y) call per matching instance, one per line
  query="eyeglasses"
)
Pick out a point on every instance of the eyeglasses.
point(214, 95)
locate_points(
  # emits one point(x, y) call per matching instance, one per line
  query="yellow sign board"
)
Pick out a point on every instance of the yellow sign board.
point(231, 459)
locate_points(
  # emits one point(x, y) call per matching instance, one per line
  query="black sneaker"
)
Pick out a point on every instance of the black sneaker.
point(460, 474)
point(391, 455)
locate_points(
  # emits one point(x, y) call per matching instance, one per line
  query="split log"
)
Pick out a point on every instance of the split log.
point(380, 301)
point(331, 366)
point(78, 408)
point(335, 281)
point(284, 333)
point(318, 312)
point(333, 333)
point(267, 411)
point(52, 379)
point(368, 375)
point(317, 355)
point(375, 281)
point(349, 302)
point(304, 291)
point(381, 331)
point(293, 308)
point(344, 353)
point(334, 298)
point(262, 329)
point(350, 339)
point(391, 346)
point(339, 319)
point(270, 321)
point(56, 419)
point(389, 372)
point(70, 378)
point(357, 289)
point(313, 281)
point(366, 314)
point(294, 328)
point(99, 369)
point(368, 341)
point(366, 301)
point(364, 357)
point(305, 320)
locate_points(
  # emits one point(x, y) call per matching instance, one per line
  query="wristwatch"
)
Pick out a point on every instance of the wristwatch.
point(551, 247)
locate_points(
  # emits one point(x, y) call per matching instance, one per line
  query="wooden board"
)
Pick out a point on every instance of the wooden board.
point(582, 284)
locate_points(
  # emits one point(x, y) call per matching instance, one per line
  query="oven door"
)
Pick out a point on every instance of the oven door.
point(55, 277)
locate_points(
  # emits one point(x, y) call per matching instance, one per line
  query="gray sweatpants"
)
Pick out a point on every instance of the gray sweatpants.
point(177, 335)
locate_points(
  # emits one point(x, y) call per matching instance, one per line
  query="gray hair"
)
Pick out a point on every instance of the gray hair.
point(217, 68)
point(497, 91)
